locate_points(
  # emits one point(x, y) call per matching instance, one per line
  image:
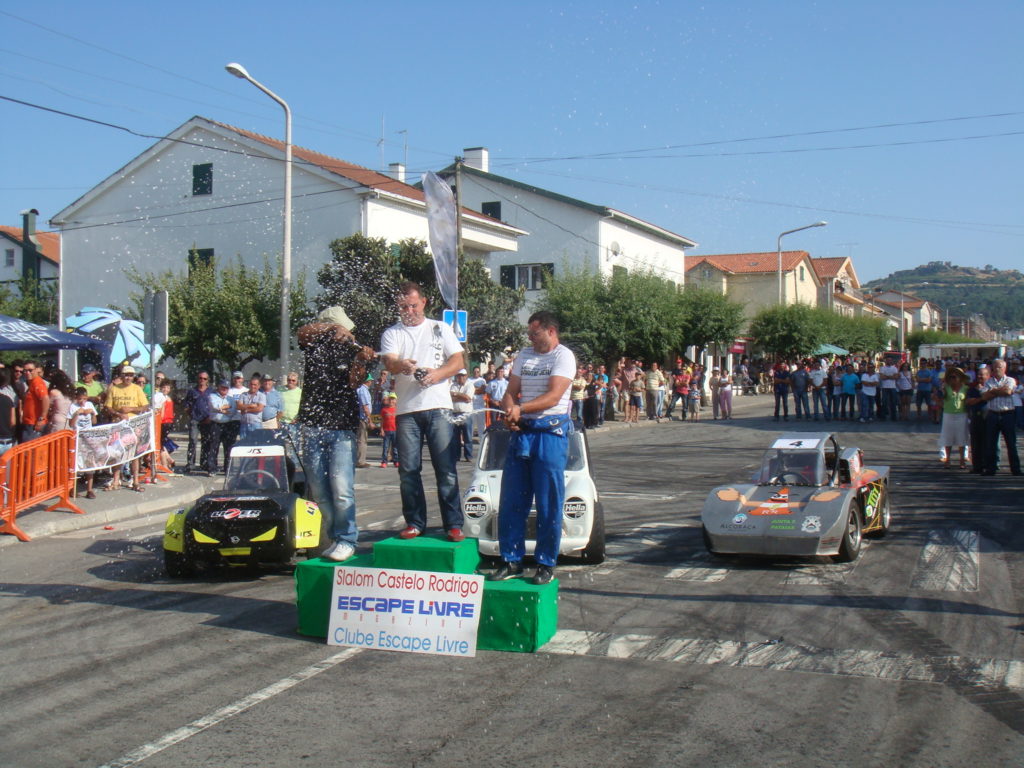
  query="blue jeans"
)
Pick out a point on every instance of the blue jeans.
point(463, 435)
point(891, 403)
point(434, 428)
point(329, 459)
point(388, 447)
point(867, 407)
point(801, 403)
point(676, 397)
point(782, 399)
point(540, 476)
point(821, 399)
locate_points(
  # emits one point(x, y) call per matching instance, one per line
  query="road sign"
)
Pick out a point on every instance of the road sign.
point(459, 322)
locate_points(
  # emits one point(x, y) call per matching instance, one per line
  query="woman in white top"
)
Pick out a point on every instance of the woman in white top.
point(905, 387)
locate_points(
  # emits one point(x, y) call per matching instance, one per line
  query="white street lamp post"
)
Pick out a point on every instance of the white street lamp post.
point(286, 257)
point(779, 248)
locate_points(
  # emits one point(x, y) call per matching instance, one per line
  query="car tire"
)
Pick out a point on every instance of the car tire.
point(849, 547)
point(593, 553)
point(178, 566)
point(886, 516)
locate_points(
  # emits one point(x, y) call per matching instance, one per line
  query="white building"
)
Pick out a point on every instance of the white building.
point(218, 190)
point(565, 233)
point(27, 253)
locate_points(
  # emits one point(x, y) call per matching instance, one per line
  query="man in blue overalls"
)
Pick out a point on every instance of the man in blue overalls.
point(536, 406)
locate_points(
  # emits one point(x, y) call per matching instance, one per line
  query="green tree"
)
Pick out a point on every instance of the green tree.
point(224, 317)
point(790, 330)
point(364, 274)
point(31, 299)
point(605, 317)
point(709, 317)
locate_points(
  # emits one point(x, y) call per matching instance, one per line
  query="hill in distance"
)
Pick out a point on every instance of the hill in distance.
point(998, 294)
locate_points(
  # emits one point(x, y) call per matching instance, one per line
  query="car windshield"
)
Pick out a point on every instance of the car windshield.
point(492, 456)
point(257, 473)
point(788, 467)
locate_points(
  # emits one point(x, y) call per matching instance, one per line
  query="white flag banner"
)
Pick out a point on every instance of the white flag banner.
point(109, 445)
point(443, 224)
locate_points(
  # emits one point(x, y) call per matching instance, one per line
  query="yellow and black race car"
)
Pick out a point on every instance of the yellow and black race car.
point(259, 517)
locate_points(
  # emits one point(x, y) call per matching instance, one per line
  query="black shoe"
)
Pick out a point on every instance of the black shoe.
point(506, 571)
point(544, 575)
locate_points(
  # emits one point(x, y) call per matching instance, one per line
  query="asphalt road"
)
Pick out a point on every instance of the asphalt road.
point(911, 656)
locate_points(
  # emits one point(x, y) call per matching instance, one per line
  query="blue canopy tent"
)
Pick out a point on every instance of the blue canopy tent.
point(18, 334)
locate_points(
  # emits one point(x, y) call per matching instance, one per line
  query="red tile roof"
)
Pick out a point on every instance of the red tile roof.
point(749, 262)
point(829, 266)
point(49, 242)
point(365, 177)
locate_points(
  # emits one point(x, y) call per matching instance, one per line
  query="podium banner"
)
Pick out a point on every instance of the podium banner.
point(410, 611)
point(108, 445)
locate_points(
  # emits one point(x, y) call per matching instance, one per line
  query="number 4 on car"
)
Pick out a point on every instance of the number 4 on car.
point(810, 497)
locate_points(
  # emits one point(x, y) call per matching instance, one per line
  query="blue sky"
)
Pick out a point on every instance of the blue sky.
point(544, 85)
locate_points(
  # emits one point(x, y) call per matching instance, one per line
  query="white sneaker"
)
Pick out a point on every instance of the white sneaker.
point(340, 551)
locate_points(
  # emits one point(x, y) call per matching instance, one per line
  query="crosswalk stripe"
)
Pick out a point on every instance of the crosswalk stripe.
point(950, 561)
point(779, 655)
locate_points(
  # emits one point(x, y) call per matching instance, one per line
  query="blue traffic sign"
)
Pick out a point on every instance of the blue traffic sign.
point(459, 321)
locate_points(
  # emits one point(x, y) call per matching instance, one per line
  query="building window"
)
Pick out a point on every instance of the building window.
point(200, 257)
point(202, 179)
point(530, 277)
point(801, 274)
point(491, 209)
point(619, 272)
point(9, 257)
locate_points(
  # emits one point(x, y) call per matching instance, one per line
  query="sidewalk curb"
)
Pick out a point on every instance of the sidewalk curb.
point(179, 491)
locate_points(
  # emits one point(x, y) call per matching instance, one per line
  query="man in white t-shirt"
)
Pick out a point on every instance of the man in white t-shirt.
point(422, 355)
point(887, 376)
point(868, 391)
point(536, 406)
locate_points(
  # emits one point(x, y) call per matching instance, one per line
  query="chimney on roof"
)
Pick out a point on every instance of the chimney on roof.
point(477, 157)
point(28, 227)
point(397, 171)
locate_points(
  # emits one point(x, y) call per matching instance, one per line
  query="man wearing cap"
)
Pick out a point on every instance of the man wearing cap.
point(92, 386)
point(222, 410)
point(275, 403)
point(125, 399)
point(423, 354)
point(329, 414)
point(462, 391)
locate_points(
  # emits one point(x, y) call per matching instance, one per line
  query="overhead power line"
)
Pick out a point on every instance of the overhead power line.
point(618, 155)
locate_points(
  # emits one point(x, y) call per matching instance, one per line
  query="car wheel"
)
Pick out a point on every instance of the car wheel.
point(178, 566)
point(593, 553)
point(885, 516)
point(849, 548)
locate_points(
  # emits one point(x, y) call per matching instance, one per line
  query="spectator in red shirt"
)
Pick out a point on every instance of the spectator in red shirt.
point(36, 403)
point(388, 428)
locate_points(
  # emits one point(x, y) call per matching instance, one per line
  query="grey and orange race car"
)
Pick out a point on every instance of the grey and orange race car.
point(810, 497)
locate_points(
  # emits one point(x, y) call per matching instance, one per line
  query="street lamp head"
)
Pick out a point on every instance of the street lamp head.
point(820, 224)
point(237, 70)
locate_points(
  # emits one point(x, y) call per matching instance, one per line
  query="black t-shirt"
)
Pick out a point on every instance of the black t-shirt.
point(328, 399)
point(6, 406)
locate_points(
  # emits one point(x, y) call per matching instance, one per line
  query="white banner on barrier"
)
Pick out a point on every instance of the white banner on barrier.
point(108, 445)
point(411, 611)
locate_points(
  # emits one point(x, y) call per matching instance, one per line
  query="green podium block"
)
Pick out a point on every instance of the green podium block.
point(427, 553)
point(314, 582)
point(517, 616)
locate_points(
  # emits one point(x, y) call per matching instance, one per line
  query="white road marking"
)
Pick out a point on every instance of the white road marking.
point(950, 562)
point(884, 665)
point(698, 568)
point(214, 718)
point(641, 496)
point(821, 575)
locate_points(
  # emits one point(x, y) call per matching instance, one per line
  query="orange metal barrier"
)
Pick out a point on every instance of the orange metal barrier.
point(34, 472)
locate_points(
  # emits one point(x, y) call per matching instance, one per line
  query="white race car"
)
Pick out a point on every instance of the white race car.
point(582, 518)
